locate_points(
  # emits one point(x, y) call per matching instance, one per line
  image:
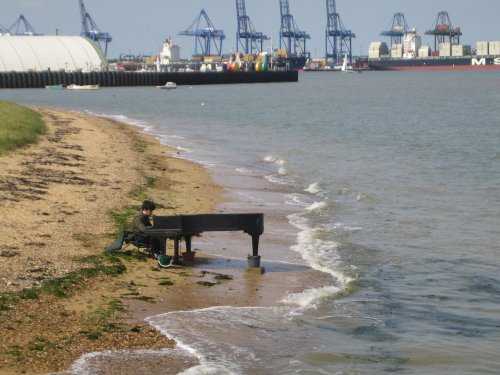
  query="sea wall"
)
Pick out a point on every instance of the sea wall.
point(14, 80)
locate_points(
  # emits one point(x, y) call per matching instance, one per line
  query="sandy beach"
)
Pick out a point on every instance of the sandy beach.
point(58, 199)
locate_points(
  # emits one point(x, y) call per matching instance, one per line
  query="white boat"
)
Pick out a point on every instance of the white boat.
point(83, 87)
point(168, 86)
point(344, 68)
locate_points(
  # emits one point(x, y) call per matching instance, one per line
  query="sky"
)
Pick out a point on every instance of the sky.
point(140, 26)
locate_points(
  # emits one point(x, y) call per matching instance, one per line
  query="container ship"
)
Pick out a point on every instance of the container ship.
point(412, 55)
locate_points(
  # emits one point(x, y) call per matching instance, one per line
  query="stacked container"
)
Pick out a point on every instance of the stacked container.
point(445, 49)
point(377, 49)
point(424, 51)
point(483, 49)
point(494, 48)
point(460, 50)
point(397, 51)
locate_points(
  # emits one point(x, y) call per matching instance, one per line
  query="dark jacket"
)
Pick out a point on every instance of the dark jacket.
point(139, 222)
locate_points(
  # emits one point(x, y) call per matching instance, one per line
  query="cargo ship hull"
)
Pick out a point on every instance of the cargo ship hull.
point(437, 63)
point(291, 62)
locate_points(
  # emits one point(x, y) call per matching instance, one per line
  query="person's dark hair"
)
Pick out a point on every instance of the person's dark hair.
point(148, 205)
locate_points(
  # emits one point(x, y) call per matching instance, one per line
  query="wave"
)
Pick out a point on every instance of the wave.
point(317, 206)
point(320, 253)
point(315, 188)
point(310, 297)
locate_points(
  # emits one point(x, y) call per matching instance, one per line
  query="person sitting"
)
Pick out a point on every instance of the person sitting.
point(142, 220)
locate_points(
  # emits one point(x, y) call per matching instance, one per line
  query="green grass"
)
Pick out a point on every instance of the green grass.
point(92, 266)
point(19, 126)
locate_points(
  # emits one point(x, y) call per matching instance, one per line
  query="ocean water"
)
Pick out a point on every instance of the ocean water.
point(389, 183)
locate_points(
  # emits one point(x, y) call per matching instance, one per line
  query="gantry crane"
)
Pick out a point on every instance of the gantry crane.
point(291, 37)
point(91, 30)
point(398, 28)
point(246, 36)
point(337, 37)
point(443, 29)
point(17, 27)
point(205, 33)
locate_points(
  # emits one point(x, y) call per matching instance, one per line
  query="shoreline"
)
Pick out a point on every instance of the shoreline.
point(144, 290)
point(62, 191)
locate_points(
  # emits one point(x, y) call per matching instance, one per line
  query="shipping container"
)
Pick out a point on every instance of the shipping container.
point(461, 50)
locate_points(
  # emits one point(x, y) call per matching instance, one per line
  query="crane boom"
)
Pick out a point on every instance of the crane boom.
point(246, 36)
point(337, 36)
point(91, 30)
point(206, 34)
point(293, 39)
point(16, 27)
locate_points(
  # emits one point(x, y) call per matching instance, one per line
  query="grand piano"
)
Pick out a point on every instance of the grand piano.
point(186, 226)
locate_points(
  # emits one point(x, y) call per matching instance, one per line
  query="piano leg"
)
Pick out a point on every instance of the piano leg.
point(255, 244)
point(188, 243)
point(176, 251)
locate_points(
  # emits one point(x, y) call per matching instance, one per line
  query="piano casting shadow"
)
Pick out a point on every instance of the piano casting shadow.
point(186, 226)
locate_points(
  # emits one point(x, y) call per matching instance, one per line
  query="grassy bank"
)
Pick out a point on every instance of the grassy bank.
point(19, 126)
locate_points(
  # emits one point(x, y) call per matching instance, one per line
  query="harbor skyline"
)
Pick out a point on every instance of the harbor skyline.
point(141, 29)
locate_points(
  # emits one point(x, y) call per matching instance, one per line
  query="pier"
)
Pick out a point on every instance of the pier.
point(20, 80)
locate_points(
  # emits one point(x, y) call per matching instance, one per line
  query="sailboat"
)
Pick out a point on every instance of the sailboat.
point(344, 66)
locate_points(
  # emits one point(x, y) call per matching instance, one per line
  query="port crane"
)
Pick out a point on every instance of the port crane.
point(398, 28)
point(337, 37)
point(91, 30)
point(291, 37)
point(205, 34)
point(17, 27)
point(444, 29)
point(246, 36)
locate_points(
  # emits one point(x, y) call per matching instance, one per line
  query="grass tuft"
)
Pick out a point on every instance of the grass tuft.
point(19, 126)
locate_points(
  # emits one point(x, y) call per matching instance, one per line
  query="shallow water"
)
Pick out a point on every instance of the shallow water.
point(391, 182)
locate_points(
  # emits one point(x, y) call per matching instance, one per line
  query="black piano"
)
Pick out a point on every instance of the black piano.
point(186, 226)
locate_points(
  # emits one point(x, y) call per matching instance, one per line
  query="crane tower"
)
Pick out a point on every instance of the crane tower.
point(338, 39)
point(246, 36)
point(17, 27)
point(205, 34)
point(444, 29)
point(291, 37)
point(91, 30)
point(398, 28)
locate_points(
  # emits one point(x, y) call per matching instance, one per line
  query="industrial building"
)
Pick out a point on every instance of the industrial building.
point(50, 53)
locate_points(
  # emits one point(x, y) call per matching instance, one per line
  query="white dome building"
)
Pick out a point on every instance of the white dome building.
point(50, 53)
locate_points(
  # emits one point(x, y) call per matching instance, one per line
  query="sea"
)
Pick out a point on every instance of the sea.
point(388, 183)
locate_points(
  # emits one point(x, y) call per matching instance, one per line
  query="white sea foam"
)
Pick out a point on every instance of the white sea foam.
point(314, 188)
point(208, 369)
point(295, 200)
point(122, 118)
point(245, 171)
point(317, 206)
point(276, 180)
point(319, 253)
point(282, 171)
point(309, 297)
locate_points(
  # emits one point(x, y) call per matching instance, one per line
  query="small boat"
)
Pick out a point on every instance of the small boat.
point(168, 86)
point(54, 87)
point(344, 68)
point(83, 87)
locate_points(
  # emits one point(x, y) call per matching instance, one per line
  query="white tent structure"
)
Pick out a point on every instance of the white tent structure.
point(49, 53)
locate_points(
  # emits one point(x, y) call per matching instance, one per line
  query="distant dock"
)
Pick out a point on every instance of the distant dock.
point(19, 80)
